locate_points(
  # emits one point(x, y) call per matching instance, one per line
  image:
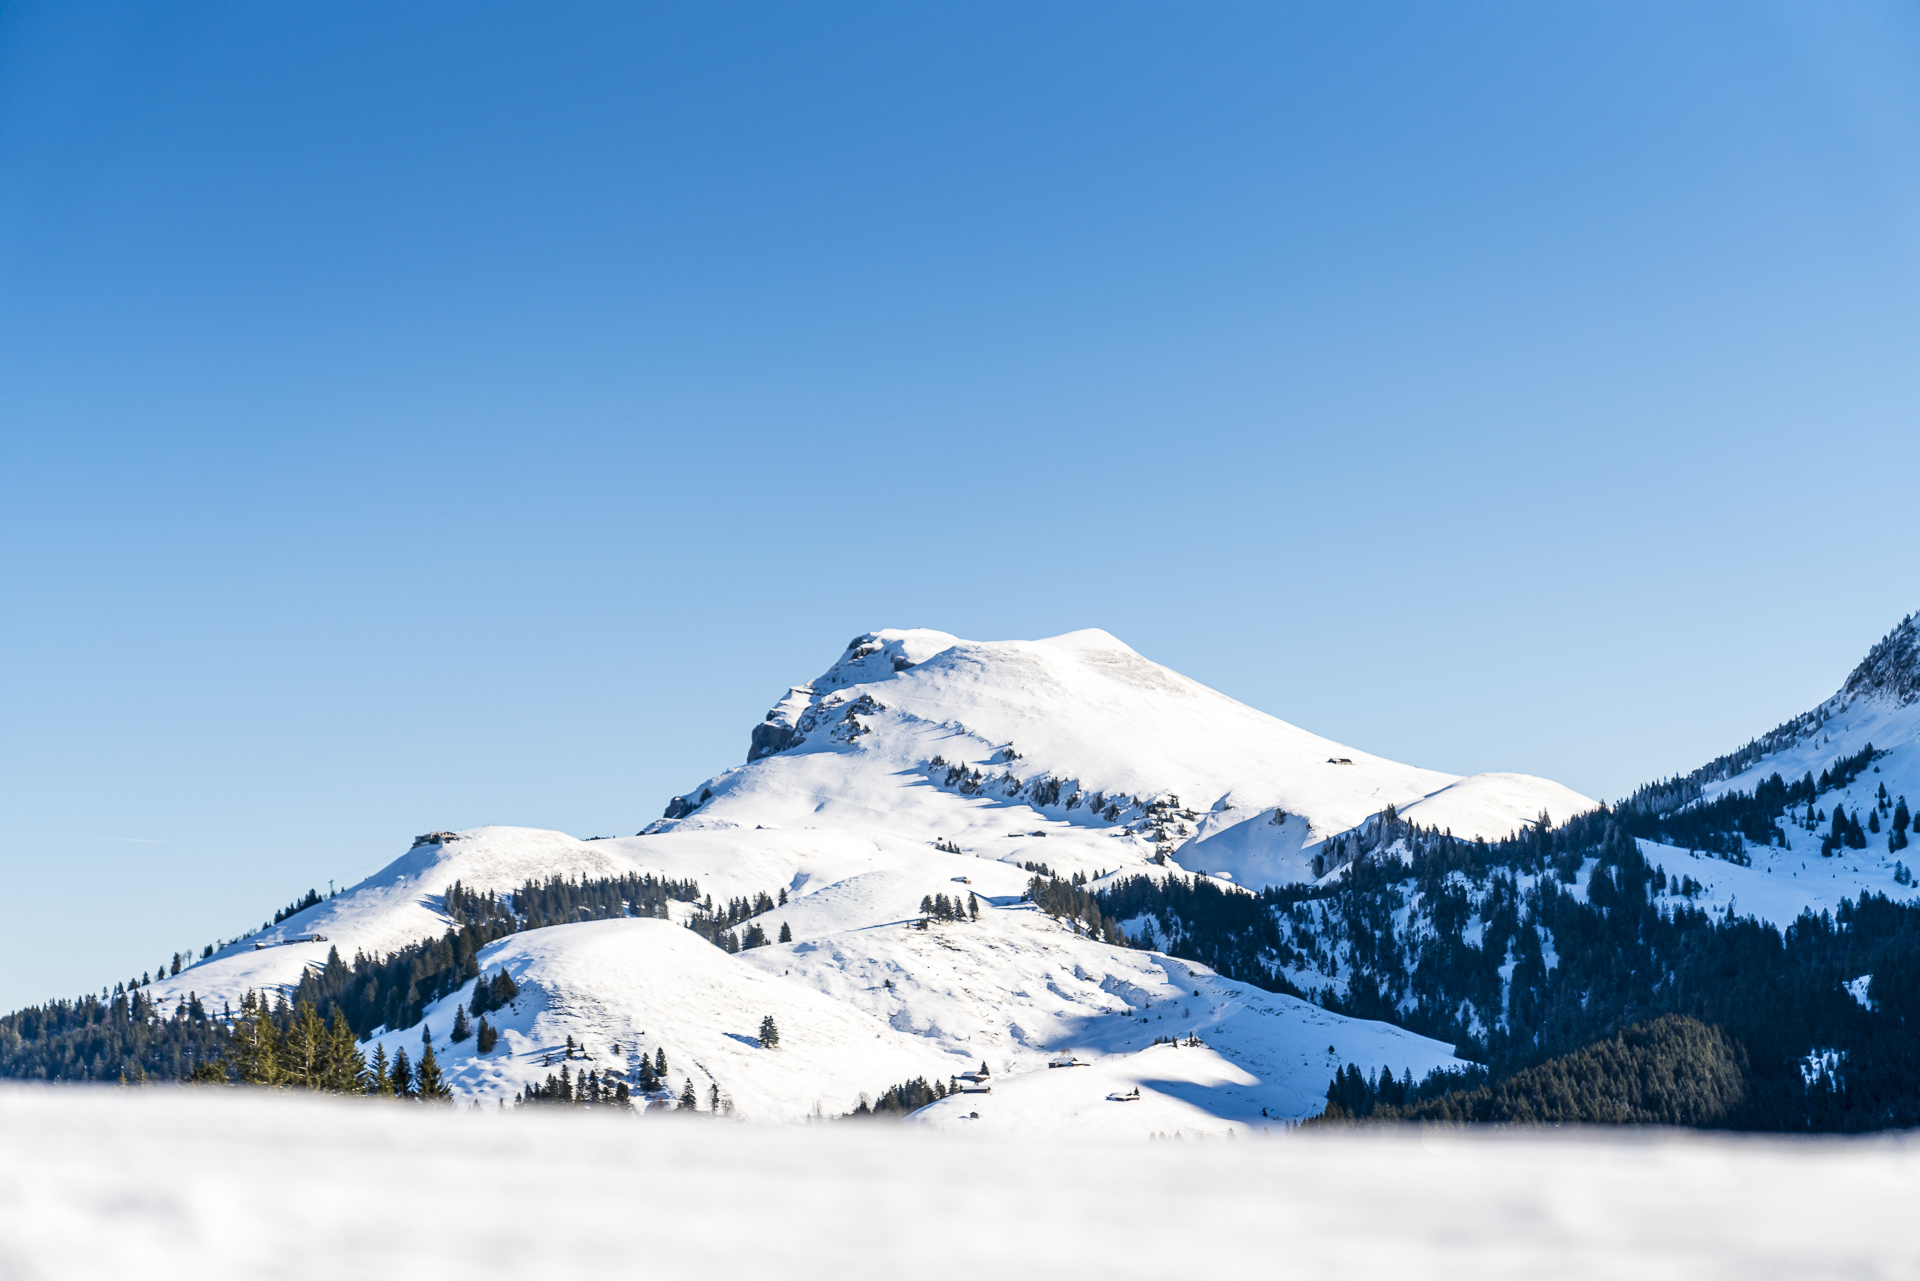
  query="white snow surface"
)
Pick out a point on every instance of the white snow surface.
point(207, 1184)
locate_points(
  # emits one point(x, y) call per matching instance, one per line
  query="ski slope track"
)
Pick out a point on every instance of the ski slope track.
point(921, 764)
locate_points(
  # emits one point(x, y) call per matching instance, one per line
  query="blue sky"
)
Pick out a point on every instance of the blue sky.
point(419, 416)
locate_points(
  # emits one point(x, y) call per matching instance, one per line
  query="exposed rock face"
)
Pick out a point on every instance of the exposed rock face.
point(769, 738)
point(1891, 670)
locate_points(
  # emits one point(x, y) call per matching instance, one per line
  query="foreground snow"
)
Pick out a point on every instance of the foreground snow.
point(98, 1182)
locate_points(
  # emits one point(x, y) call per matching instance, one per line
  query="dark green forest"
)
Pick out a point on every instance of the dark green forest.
point(124, 1035)
point(1487, 946)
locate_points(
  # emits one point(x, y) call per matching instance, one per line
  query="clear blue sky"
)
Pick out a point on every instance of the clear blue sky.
point(419, 416)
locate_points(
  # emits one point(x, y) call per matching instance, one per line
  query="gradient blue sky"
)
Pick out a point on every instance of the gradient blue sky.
point(419, 416)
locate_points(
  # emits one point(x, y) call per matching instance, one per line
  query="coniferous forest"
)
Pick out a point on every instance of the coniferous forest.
point(1420, 927)
point(122, 1035)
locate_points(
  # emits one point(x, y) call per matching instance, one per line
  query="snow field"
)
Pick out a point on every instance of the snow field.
point(649, 984)
point(209, 1184)
point(864, 1009)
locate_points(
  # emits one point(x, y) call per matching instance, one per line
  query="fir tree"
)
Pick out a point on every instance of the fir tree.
point(302, 1048)
point(254, 1053)
point(487, 1037)
point(660, 1062)
point(343, 1069)
point(786, 931)
point(461, 1028)
point(769, 1034)
point(379, 1079)
point(402, 1075)
point(430, 1086)
point(689, 1101)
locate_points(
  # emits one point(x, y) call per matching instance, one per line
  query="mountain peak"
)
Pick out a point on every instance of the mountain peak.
point(1891, 670)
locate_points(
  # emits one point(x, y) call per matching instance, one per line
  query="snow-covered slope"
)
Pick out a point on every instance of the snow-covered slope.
point(863, 1009)
point(864, 999)
point(1879, 704)
point(921, 764)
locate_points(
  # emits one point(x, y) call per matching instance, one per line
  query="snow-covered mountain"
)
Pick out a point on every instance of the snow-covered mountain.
point(1877, 707)
point(920, 764)
point(1878, 704)
point(922, 734)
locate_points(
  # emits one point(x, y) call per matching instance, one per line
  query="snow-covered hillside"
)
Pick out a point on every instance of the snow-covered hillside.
point(1877, 706)
point(864, 998)
point(919, 764)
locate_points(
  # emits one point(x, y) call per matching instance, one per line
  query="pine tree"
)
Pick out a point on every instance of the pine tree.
point(461, 1028)
point(302, 1048)
point(660, 1062)
point(431, 1087)
point(254, 1052)
point(689, 1101)
point(769, 1034)
point(713, 1098)
point(786, 931)
point(402, 1075)
point(343, 1069)
point(973, 906)
point(488, 1036)
point(380, 1079)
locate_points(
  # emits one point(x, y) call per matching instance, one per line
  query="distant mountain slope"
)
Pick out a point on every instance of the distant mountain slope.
point(1855, 758)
